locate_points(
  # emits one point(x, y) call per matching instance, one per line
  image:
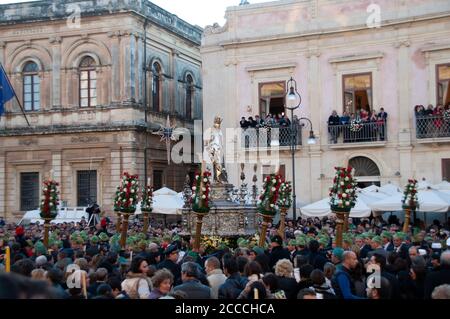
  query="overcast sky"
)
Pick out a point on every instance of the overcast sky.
point(199, 12)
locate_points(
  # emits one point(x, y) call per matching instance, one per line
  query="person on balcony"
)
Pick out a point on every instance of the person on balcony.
point(345, 121)
point(333, 126)
point(381, 123)
point(438, 123)
point(251, 122)
point(419, 111)
point(259, 121)
point(244, 123)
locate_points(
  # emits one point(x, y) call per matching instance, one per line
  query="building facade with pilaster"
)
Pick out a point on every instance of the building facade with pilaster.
point(346, 59)
point(79, 69)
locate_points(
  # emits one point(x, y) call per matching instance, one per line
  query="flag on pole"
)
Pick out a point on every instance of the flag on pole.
point(6, 90)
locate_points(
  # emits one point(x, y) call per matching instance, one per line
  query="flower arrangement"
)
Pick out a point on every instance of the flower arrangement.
point(212, 243)
point(285, 198)
point(446, 115)
point(201, 190)
point(147, 199)
point(49, 200)
point(343, 193)
point(356, 126)
point(410, 199)
point(127, 194)
point(268, 200)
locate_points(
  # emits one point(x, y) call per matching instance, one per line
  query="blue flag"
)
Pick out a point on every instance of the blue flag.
point(6, 90)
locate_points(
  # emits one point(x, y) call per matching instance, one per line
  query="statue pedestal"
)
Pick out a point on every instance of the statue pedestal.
point(225, 218)
point(219, 194)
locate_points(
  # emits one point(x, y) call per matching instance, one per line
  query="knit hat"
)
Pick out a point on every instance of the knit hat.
point(339, 253)
point(377, 239)
point(103, 237)
point(258, 250)
point(292, 242)
point(41, 260)
point(40, 248)
point(94, 239)
point(323, 242)
point(301, 241)
point(277, 239)
point(386, 234)
point(20, 231)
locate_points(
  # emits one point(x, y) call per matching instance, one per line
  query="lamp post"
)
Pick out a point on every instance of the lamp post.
point(293, 96)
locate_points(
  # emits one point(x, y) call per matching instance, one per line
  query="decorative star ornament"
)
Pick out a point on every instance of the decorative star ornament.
point(168, 133)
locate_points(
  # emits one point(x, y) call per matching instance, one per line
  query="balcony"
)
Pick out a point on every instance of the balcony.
point(270, 137)
point(360, 134)
point(432, 129)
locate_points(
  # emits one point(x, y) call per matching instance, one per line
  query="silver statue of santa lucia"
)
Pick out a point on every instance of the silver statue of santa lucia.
point(214, 148)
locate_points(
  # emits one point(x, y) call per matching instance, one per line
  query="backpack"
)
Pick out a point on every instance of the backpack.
point(134, 292)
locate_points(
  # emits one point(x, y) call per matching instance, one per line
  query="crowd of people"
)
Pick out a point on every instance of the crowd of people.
point(271, 120)
point(376, 261)
point(432, 121)
point(361, 126)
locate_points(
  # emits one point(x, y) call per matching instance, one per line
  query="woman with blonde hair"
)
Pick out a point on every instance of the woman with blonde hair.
point(284, 271)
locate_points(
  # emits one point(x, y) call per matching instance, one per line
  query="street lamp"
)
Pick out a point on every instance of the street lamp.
point(292, 96)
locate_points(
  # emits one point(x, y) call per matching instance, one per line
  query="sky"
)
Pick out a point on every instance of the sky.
point(196, 12)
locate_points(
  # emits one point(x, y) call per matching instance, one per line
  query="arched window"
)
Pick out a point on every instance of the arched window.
point(364, 166)
point(31, 87)
point(189, 95)
point(88, 82)
point(156, 87)
point(366, 171)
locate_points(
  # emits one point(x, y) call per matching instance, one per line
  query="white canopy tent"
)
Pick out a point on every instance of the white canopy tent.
point(322, 209)
point(65, 215)
point(390, 189)
point(165, 202)
point(429, 201)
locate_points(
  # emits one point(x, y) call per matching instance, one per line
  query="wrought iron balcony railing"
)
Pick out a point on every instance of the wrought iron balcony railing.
point(274, 136)
point(432, 126)
point(358, 132)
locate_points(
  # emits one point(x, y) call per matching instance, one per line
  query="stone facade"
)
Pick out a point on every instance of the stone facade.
point(317, 42)
point(109, 137)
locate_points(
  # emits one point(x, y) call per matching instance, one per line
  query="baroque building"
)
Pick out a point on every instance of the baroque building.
point(95, 79)
point(350, 56)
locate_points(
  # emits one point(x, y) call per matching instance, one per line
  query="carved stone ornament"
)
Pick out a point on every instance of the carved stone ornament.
point(215, 29)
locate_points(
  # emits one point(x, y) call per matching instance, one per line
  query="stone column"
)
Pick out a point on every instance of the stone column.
point(126, 52)
point(3, 185)
point(314, 90)
point(173, 87)
point(57, 168)
point(405, 111)
point(56, 69)
point(2, 52)
point(115, 68)
point(316, 169)
point(139, 69)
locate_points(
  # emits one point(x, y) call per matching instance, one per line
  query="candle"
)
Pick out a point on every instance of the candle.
point(83, 278)
point(8, 259)
point(131, 255)
point(256, 293)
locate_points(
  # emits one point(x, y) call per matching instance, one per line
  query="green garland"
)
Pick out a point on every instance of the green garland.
point(127, 194)
point(285, 199)
point(268, 201)
point(200, 198)
point(410, 199)
point(343, 193)
point(49, 200)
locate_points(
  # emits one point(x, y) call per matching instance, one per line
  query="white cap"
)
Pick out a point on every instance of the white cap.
point(422, 252)
point(41, 260)
point(436, 245)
